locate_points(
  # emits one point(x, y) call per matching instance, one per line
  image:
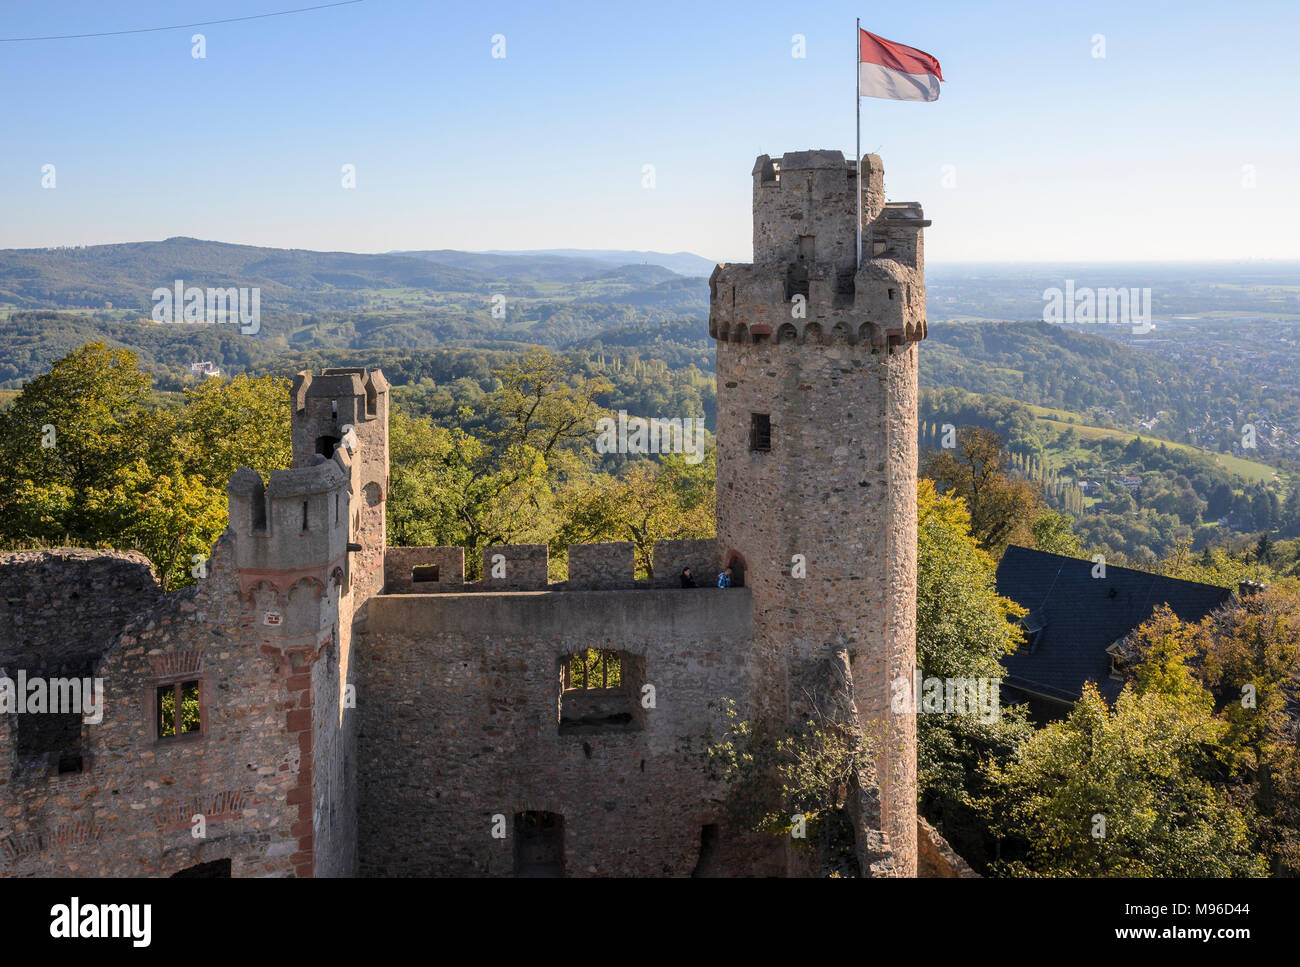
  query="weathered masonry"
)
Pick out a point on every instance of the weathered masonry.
point(321, 704)
point(817, 395)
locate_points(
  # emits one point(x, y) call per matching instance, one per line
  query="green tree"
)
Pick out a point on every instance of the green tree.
point(1264, 548)
point(225, 424)
point(68, 432)
point(1248, 656)
point(963, 628)
point(650, 502)
point(1053, 533)
point(1122, 792)
point(128, 470)
point(172, 517)
point(1002, 509)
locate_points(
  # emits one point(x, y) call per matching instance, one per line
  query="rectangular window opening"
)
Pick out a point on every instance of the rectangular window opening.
point(424, 573)
point(179, 709)
point(48, 741)
point(760, 432)
point(70, 764)
point(600, 691)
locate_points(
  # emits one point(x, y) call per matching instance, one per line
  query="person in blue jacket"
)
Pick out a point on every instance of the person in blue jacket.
point(724, 579)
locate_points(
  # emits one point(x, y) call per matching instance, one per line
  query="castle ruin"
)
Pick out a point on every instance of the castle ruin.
point(320, 704)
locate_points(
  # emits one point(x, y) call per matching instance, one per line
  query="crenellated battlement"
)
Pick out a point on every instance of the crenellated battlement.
point(883, 304)
point(347, 408)
point(525, 567)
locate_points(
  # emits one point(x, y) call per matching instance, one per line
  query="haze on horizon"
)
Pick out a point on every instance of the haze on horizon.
point(1173, 146)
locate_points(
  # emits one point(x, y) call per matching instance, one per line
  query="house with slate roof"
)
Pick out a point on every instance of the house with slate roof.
point(1077, 622)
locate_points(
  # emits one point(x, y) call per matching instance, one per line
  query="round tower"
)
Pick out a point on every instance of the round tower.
point(816, 491)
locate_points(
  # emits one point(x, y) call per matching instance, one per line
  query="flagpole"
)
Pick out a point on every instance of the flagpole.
point(857, 151)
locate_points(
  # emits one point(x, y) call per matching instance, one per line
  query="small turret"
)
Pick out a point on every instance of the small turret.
point(294, 528)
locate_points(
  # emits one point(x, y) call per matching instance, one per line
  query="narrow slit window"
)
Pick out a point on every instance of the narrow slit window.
point(760, 432)
point(304, 515)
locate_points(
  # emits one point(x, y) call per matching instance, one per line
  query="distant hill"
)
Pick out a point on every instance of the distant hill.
point(294, 279)
point(566, 264)
point(683, 263)
point(688, 297)
point(517, 266)
point(1223, 356)
point(53, 300)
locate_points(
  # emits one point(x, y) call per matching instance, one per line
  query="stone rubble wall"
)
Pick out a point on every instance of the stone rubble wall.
point(468, 729)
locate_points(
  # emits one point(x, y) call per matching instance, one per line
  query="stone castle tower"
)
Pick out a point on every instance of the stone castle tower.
point(817, 398)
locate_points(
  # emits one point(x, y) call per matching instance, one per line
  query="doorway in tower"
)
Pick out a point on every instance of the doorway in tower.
point(737, 565)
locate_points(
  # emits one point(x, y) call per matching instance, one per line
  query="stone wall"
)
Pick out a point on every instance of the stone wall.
point(606, 566)
point(463, 725)
point(601, 566)
point(269, 778)
point(400, 563)
point(331, 761)
point(812, 195)
point(63, 606)
point(524, 566)
point(132, 810)
point(701, 556)
point(59, 612)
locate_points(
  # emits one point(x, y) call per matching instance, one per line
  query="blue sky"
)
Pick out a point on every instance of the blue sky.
point(1056, 154)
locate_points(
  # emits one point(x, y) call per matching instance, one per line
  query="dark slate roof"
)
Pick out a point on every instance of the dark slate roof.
point(1081, 615)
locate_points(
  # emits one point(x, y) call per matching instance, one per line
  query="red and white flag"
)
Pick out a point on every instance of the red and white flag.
point(895, 71)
